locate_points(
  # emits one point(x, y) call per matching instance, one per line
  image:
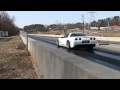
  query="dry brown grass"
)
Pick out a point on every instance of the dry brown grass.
point(14, 63)
point(115, 26)
point(61, 32)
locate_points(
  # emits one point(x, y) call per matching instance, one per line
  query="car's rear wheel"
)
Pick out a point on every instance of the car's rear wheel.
point(68, 45)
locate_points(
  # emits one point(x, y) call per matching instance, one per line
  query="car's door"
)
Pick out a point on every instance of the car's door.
point(64, 39)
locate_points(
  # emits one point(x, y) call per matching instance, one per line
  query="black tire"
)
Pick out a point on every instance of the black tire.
point(68, 45)
point(90, 48)
point(57, 42)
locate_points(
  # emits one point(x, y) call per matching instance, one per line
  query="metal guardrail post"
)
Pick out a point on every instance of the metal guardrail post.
point(27, 43)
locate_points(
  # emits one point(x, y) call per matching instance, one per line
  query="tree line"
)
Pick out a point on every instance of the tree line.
point(100, 23)
point(7, 23)
point(43, 28)
point(106, 22)
point(35, 27)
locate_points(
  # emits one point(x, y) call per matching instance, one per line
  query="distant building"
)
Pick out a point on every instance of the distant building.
point(76, 28)
point(94, 28)
point(3, 33)
point(105, 28)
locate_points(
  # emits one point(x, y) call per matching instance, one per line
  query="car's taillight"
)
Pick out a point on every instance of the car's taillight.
point(93, 38)
point(79, 38)
point(90, 38)
point(76, 39)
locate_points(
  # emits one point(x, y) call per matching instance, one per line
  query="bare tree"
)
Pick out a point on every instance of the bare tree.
point(7, 23)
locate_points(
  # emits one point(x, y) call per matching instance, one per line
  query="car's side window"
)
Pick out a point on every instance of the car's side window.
point(73, 35)
point(66, 35)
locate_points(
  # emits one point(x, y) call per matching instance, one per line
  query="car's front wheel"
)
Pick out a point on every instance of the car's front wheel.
point(57, 42)
point(68, 45)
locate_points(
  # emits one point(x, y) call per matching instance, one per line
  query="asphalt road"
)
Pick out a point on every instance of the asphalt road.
point(108, 55)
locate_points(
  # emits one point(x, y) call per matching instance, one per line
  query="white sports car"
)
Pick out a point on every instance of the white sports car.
point(76, 39)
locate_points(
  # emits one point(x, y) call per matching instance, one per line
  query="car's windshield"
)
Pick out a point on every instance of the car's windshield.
point(77, 34)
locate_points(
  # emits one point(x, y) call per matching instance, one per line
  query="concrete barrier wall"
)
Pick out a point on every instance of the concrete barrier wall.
point(52, 63)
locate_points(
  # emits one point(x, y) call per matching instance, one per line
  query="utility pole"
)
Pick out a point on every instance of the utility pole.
point(60, 27)
point(108, 26)
point(92, 17)
point(108, 23)
point(83, 22)
point(56, 24)
point(65, 29)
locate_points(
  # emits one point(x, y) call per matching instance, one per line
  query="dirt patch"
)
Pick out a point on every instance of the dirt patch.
point(14, 60)
point(115, 26)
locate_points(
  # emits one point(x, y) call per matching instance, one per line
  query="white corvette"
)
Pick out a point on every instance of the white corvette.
point(76, 39)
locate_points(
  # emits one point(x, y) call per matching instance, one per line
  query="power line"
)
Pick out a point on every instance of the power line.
point(56, 24)
point(83, 22)
point(92, 18)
